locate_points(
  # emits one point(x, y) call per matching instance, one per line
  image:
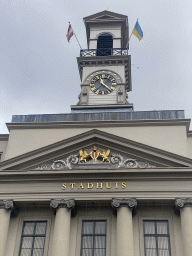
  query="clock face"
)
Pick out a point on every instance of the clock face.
point(103, 84)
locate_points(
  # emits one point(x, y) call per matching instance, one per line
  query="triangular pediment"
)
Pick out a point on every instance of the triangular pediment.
point(95, 150)
point(105, 15)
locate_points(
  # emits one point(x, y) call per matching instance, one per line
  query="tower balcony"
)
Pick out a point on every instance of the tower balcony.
point(103, 52)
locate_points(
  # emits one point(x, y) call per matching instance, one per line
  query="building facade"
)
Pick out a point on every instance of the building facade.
point(103, 180)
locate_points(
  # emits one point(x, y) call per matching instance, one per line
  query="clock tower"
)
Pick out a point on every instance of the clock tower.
point(105, 67)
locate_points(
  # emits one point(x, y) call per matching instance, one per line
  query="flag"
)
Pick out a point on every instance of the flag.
point(69, 33)
point(137, 31)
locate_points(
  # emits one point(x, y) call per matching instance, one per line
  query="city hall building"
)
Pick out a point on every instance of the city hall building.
point(102, 180)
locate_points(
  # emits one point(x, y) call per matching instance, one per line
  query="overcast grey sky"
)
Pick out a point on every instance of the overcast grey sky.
point(38, 67)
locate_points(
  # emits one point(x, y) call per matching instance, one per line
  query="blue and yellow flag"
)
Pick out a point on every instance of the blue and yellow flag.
point(137, 31)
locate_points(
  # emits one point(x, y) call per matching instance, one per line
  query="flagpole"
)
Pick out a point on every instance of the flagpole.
point(76, 38)
point(131, 34)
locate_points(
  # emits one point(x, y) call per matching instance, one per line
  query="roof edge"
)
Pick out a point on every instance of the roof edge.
point(4, 137)
point(100, 123)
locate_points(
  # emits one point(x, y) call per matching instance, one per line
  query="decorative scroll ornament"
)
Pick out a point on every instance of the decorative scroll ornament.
point(60, 164)
point(72, 159)
point(131, 203)
point(55, 203)
point(181, 202)
point(129, 163)
point(7, 204)
point(96, 159)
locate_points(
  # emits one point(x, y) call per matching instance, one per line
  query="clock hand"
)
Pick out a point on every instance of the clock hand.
point(99, 87)
point(101, 81)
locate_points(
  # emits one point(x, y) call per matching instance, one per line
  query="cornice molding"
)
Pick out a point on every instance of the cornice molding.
point(157, 174)
point(4, 137)
point(99, 123)
point(102, 106)
point(104, 58)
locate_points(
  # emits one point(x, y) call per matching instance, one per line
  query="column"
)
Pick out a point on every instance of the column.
point(61, 234)
point(185, 206)
point(5, 210)
point(124, 235)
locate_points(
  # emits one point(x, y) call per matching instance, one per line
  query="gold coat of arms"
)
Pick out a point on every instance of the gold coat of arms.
point(94, 155)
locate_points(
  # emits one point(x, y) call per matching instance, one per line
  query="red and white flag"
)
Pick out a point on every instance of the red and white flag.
point(69, 33)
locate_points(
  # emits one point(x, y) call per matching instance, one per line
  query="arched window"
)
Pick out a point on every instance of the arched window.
point(104, 44)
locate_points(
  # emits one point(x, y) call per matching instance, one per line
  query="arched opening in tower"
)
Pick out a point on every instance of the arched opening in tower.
point(104, 45)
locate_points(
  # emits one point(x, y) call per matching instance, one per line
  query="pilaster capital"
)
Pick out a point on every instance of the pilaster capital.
point(62, 203)
point(181, 202)
point(6, 204)
point(118, 202)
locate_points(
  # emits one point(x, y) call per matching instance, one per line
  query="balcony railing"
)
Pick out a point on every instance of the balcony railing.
point(103, 52)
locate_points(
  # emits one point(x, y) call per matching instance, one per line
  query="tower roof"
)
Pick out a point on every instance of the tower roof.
point(107, 17)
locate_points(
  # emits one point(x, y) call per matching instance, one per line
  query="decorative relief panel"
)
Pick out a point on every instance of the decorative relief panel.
point(95, 158)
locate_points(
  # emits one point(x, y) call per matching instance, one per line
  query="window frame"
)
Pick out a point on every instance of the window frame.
point(93, 235)
point(169, 220)
point(156, 235)
point(79, 232)
point(32, 235)
point(18, 241)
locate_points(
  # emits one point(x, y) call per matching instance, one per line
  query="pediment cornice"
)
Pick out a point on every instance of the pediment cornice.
point(128, 149)
point(105, 15)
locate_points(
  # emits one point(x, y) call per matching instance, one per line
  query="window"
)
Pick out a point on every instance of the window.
point(156, 238)
point(93, 240)
point(33, 238)
point(104, 45)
